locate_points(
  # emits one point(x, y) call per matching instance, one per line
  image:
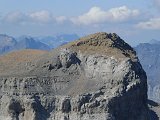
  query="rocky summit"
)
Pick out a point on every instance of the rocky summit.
point(97, 77)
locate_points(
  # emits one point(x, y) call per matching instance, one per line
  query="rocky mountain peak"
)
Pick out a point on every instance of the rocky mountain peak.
point(94, 78)
point(103, 43)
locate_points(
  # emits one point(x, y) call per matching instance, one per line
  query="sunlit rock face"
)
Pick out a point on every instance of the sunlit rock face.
point(97, 77)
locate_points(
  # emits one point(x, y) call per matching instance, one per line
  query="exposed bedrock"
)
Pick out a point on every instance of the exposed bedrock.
point(97, 77)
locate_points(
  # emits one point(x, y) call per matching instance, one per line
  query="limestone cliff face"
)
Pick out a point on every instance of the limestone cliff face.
point(97, 77)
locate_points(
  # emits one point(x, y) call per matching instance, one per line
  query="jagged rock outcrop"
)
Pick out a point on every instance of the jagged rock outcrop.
point(97, 77)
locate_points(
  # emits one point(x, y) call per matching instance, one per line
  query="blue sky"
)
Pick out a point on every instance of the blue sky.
point(134, 20)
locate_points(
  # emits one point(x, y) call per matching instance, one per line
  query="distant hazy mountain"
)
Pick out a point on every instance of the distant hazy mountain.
point(58, 40)
point(149, 55)
point(30, 43)
point(154, 41)
point(7, 43)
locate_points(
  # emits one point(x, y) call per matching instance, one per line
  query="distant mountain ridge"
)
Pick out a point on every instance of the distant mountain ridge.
point(58, 40)
point(30, 43)
point(149, 55)
point(9, 43)
point(154, 41)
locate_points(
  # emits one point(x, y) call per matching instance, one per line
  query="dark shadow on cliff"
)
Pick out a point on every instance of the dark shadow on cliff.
point(152, 103)
point(152, 114)
point(41, 112)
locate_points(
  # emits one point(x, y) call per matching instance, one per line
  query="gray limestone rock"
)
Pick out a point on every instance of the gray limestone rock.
point(97, 77)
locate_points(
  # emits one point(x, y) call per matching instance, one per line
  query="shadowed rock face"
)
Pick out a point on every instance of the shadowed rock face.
point(97, 77)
